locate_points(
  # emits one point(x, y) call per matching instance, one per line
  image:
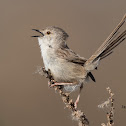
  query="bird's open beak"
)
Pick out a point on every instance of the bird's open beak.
point(39, 32)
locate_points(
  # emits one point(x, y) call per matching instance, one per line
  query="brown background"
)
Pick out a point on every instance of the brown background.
point(25, 99)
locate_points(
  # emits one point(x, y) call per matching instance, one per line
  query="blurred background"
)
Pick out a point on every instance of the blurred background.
point(25, 99)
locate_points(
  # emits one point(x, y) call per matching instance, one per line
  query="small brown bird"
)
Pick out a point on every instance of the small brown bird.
point(67, 67)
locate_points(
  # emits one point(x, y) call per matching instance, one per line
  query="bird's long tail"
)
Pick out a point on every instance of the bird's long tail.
point(113, 40)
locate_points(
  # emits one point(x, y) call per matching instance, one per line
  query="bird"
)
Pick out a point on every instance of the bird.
point(68, 68)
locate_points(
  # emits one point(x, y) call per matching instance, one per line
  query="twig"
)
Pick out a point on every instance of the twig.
point(109, 104)
point(77, 115)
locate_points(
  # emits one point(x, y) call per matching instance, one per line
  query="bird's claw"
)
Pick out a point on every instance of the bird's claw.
point(51, 83)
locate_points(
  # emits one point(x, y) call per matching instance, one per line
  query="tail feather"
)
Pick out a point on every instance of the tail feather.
point(113, 40)
point(114, 44)
point(91, 76)
point(104, 56)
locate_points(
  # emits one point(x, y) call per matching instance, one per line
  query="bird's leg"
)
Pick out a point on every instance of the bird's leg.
point(78, 97)
point(60, 84)
point(53, 83)
point(77, 101)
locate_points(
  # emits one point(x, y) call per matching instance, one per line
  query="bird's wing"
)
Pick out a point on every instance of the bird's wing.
point(70, 56)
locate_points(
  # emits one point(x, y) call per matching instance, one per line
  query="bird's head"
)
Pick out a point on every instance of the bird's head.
point(53, 36)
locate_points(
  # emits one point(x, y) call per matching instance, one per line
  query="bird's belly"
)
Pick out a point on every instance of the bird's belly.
point(66, 72)
point(63, 71)
point(48, 58)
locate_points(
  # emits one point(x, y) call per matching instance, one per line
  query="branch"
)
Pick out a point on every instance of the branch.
point(77, 115)
point(109, 104)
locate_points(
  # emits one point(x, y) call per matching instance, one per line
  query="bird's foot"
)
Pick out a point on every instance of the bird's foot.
point(51, 83)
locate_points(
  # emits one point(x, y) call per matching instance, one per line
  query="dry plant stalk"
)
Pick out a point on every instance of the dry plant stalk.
point(109, 104)
point(77, 115)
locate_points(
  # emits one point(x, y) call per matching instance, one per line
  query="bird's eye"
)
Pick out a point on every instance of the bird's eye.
point(48, 32)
